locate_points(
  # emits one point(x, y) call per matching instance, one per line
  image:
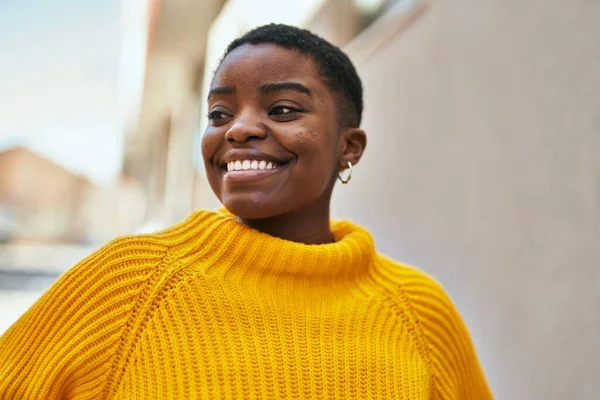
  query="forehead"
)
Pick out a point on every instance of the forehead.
point(256, 64)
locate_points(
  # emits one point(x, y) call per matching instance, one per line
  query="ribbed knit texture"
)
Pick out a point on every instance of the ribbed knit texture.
point(211, 309)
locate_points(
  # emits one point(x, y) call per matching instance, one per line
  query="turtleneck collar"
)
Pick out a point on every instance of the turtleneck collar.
point(219, 238)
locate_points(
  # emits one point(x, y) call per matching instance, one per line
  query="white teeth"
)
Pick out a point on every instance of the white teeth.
point(244, 165)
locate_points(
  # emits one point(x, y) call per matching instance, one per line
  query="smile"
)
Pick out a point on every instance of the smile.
point(251, 165)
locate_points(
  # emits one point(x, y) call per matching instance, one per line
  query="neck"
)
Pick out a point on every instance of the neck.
point(308, 226)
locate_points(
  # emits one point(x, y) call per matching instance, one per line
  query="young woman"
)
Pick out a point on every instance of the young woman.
point(268, 299)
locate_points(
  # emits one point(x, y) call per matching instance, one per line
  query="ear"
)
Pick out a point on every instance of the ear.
point(353, 143)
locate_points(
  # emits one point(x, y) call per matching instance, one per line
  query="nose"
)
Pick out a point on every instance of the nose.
point(246, 127)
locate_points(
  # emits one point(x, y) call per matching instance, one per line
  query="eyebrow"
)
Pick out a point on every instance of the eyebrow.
point(264, 89)
point(220, 90)
point(281, 86)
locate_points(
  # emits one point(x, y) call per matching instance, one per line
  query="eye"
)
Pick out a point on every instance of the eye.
point(216, 114)
point(284, 113)
point(280, 110)
point(218, 117)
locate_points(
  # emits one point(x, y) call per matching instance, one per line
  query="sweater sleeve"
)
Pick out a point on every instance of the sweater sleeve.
point(455, 367)
point(63, 346)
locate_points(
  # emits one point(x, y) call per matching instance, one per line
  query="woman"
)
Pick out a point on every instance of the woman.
point(267, 300)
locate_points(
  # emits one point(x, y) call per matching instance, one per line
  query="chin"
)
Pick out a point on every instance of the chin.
point(248, 208)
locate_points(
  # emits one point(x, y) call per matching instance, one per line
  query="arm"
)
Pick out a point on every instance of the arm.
point(62, 347)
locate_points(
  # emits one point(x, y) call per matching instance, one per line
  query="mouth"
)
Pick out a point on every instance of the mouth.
point(251, 165)
point(251, 171)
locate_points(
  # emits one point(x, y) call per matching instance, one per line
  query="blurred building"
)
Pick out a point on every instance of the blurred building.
point(114, 210)
point(40, 199)
point(159, 147)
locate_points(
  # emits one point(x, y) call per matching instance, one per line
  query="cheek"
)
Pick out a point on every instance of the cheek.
point(315, 152)
point(210, 144)
point(306, 145)
point(211, 141)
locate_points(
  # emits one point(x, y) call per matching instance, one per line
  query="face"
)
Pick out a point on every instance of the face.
point(273, 144)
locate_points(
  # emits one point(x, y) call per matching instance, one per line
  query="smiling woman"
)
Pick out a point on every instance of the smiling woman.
point(267, 299)
point(289, 116)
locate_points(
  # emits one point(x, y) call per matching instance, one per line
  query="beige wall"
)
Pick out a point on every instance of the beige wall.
point(337, 20)
point(483, 168)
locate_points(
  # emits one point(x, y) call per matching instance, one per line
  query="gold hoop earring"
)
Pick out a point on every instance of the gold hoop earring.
point(348, 177)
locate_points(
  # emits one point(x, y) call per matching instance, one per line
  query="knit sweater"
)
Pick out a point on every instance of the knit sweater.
point(211, 309)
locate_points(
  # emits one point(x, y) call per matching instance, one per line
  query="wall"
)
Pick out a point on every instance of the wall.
point(483, 168)
point(337, 20)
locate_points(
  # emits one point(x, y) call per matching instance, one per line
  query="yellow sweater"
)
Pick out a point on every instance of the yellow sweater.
point(210, 309)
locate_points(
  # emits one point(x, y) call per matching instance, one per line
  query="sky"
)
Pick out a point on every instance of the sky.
point(58, 82)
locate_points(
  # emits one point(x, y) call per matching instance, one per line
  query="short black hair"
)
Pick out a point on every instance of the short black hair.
point(334, 65)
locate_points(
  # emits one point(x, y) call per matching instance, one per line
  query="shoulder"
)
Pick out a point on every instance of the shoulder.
point(410, 281)
point(423, 296)
point(140, 260)
point(121, 255)
point(440, 331)
point(145, 249)
point(122, 267)
point(144, 254)
point(108, 280)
